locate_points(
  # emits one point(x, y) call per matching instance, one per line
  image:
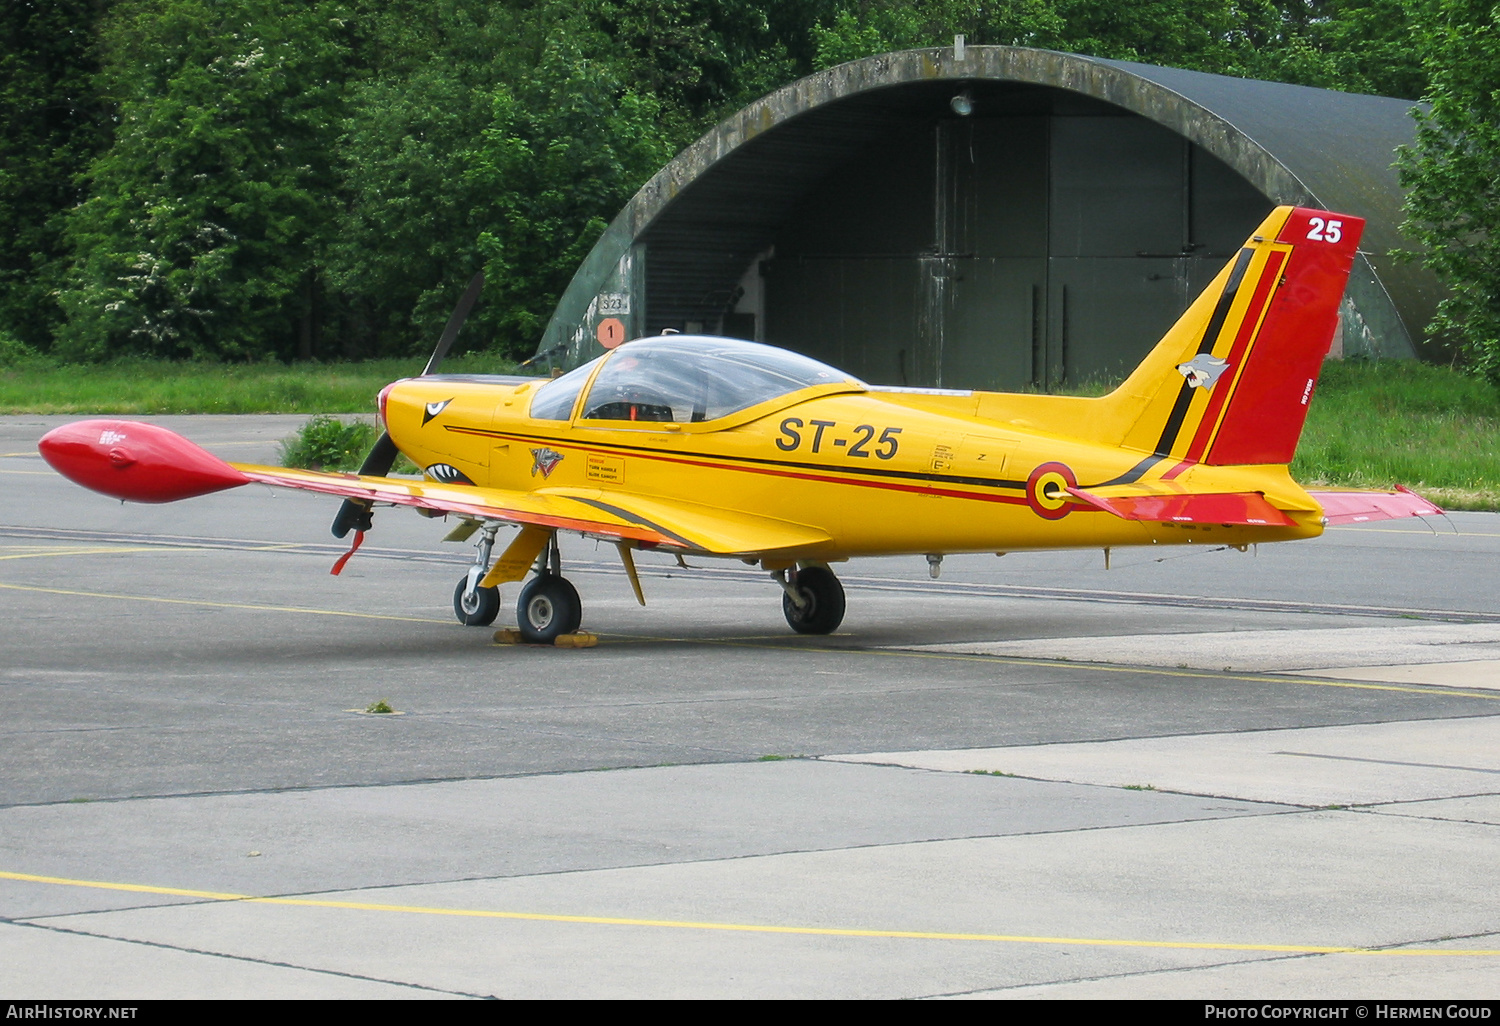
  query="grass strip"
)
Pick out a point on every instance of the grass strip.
point(162, 386)
point(1432, 429)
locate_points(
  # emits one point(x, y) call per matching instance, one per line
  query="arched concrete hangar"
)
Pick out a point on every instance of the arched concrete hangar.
point(991, 217)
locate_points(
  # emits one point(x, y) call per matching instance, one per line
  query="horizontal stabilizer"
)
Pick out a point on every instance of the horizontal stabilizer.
point(1341, 507)
point(1209, 508)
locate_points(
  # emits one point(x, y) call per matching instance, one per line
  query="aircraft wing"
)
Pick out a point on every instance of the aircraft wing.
point(677, 525)
point(147, 463)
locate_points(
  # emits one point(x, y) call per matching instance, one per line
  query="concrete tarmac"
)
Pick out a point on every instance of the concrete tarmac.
point(1197, 774)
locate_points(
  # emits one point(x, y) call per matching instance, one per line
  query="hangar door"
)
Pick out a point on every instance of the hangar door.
point(1004, 252)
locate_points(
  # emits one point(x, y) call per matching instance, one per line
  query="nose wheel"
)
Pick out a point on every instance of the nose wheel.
point(477, 607)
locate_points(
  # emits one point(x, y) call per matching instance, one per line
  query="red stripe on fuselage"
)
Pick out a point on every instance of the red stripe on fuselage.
point(1178, 468)
point(1018, 500)
point(1269, 278)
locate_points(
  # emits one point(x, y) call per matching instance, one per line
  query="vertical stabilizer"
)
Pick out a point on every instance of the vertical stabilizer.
point(1230, 382)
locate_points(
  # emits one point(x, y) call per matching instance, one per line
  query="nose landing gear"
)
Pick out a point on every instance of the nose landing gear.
point(473, 605)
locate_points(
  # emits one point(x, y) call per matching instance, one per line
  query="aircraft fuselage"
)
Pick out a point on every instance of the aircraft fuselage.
point(880, 472)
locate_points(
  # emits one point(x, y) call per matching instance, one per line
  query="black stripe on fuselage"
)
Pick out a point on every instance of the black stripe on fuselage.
point(1132, 475)
point(909, 475)
point(1206, 345)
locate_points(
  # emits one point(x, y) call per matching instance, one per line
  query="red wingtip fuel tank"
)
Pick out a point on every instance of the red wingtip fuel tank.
point(138, 462)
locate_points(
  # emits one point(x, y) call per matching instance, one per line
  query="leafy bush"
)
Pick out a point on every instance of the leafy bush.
point(327, 443)
point(14, 352)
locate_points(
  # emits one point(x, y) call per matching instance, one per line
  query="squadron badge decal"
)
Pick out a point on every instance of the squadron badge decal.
point(1203, 370)
point(545, 460)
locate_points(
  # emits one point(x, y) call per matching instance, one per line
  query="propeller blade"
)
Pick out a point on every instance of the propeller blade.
point(354, 515)
point(382, 457)
point(460, 314)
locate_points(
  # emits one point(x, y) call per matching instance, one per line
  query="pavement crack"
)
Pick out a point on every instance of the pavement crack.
point(208, 953)
point(1390, 762)
point(1109, 977)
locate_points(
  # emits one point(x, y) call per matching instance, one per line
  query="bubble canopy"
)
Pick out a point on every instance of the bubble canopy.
point(683, 378)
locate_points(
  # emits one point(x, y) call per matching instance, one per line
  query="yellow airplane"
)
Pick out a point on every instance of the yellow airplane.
point(717, 447)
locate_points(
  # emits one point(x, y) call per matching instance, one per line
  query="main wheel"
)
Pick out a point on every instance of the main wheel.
point(548, 606)
point(478, 609)
point(824, 598)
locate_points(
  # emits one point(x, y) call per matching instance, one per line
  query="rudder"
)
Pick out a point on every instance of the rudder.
point(1230, 383)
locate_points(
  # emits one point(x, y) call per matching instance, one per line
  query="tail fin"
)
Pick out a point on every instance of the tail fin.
point(1230, 382)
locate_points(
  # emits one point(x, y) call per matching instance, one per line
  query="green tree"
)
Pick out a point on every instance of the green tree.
point(1361, 46)
point(407, 236)
point(879, 26)
point(1203, 35)
point(565, 148)
point(52, 123)
point(1453, 173)
point(203, 227)
point(507, 134)
point(1358, 45)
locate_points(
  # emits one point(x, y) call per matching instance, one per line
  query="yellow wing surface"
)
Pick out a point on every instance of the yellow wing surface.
point(685, 526)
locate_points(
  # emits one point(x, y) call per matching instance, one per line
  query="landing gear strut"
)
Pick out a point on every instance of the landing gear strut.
point(549, 604)
point(813, 599)
point(475, 606)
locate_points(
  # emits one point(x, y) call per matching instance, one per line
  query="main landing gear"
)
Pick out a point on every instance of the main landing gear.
point(812, 599)
point(548, 606)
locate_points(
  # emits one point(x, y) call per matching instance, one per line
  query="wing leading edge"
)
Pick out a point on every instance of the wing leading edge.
point(623, 517)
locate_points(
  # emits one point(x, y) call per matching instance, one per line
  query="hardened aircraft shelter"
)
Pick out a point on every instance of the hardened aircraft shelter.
point(991, 217)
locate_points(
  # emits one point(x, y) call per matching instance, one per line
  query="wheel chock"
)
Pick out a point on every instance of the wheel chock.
point(582, 639)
